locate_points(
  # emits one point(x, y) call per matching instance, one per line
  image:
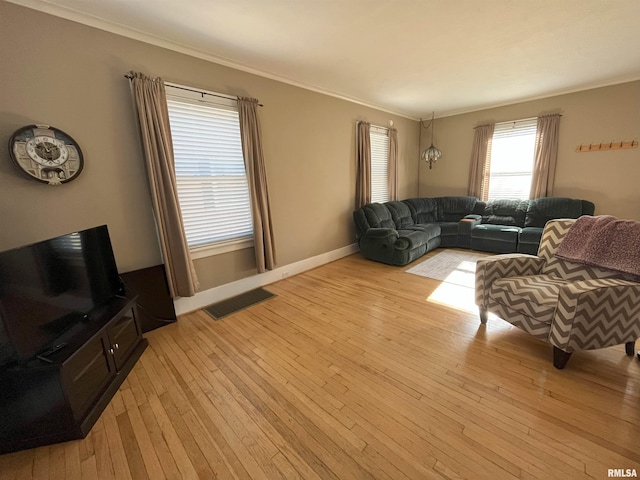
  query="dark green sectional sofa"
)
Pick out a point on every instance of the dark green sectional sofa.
point(399, 232)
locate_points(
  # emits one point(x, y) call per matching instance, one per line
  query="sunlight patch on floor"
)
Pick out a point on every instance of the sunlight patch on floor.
point(458, 289)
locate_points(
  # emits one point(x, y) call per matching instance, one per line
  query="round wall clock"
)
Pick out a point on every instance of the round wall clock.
point(46, 154)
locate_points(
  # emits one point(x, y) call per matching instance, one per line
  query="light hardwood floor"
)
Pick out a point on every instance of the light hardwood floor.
point(354, 372)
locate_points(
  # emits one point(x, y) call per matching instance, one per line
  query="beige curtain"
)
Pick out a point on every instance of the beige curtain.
point(251, 138)
point(153, 119)
point(393, 164)
point(480, 160)
point(546, 155)
point(363, 164)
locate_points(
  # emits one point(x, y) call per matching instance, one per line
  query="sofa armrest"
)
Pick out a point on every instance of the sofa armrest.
point(492, 268)
point(378, 244)
point(378, 233)
point(596, 314)
point(466, 224)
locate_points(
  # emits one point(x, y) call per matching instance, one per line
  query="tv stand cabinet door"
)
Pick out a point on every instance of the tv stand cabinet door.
point(124, 335)
point(87, 373)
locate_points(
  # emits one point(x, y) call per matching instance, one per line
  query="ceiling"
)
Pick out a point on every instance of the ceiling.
point(409, 57)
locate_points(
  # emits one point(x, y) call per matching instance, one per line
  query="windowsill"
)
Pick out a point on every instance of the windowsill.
point(220, 248)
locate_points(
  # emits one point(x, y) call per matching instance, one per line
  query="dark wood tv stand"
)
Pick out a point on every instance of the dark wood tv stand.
point(60, 397)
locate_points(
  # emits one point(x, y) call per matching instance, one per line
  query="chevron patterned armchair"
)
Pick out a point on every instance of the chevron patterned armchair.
point(570, 305)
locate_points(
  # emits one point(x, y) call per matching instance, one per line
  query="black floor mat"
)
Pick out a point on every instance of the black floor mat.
point(231, 305)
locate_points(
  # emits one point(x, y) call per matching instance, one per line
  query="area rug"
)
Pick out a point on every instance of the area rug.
point(453, 266)
point(231, 305)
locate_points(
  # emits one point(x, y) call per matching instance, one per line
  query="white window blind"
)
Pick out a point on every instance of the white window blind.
point(210, 173)
point(511, 163)
point(379, 138)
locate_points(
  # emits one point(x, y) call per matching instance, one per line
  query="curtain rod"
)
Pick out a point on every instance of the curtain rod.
point(201, 92)
point(380, 127)
point(516, 121)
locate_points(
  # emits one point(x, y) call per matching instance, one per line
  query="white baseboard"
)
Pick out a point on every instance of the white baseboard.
point(202, 299)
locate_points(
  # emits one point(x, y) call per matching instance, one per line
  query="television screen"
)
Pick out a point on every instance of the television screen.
point(49, 287)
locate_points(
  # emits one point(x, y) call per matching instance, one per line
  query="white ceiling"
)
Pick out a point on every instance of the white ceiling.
point(410, 57)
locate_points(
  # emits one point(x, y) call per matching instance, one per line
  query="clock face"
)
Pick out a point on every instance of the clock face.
point(47, 151)
point(46, 154)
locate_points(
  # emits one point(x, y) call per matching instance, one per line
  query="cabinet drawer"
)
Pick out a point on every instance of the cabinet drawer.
point(123, 336)
point(86, 374)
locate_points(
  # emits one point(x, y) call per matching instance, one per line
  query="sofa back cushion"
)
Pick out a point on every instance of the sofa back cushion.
point(372, 215)
point(453, 209)
point(541, 210)
point(510, 212)
point(400, 214)
point(423, 210)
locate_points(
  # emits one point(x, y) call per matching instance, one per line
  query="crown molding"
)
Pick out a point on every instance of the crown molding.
point(112, 27)
point(51, 8)
point(556, 93)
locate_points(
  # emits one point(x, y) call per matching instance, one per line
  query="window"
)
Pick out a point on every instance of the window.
point(379, 139)
point(510, 167)
point(210, 174)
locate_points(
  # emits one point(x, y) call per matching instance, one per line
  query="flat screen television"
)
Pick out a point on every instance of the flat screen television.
point(49, 287)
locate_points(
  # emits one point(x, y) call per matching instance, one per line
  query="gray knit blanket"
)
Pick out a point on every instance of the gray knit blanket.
point(603, 241)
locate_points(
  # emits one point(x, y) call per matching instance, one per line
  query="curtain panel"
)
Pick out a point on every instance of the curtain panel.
point(480, 161)
point(363, 164)
point(546, 155)
point(393, 164)
point(251, 138)
point(150, 103)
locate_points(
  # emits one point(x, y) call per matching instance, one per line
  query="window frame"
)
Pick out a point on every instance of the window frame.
point(183, 94)
point(503, 130)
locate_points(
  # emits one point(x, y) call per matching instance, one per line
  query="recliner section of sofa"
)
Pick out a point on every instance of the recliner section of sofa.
point(399, 232)
point(381, 239)
point(541, 210)
point(502, 222)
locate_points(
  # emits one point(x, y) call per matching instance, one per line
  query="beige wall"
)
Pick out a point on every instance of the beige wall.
point(71, 76)
point(610, 179)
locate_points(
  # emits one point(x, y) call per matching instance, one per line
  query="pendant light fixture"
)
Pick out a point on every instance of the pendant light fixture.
point(431, 154)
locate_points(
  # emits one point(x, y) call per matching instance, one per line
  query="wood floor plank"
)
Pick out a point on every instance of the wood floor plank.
point(40, 464)
point(73, 469)
point(104, 466)
point(135, 461)
point(89, 468)
point(355, 370)
point(161, 449)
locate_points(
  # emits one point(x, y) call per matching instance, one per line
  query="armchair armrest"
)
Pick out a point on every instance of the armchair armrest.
point(502, 266)
point(595, 314)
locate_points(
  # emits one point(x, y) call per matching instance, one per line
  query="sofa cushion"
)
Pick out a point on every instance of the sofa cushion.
point(432, 230)
point(400, 214)
point(541, 210)
point(452, 209)
point(505, 212)
point(495, 238)
point(486, 230)
point(423, 210)
point(410, 239)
